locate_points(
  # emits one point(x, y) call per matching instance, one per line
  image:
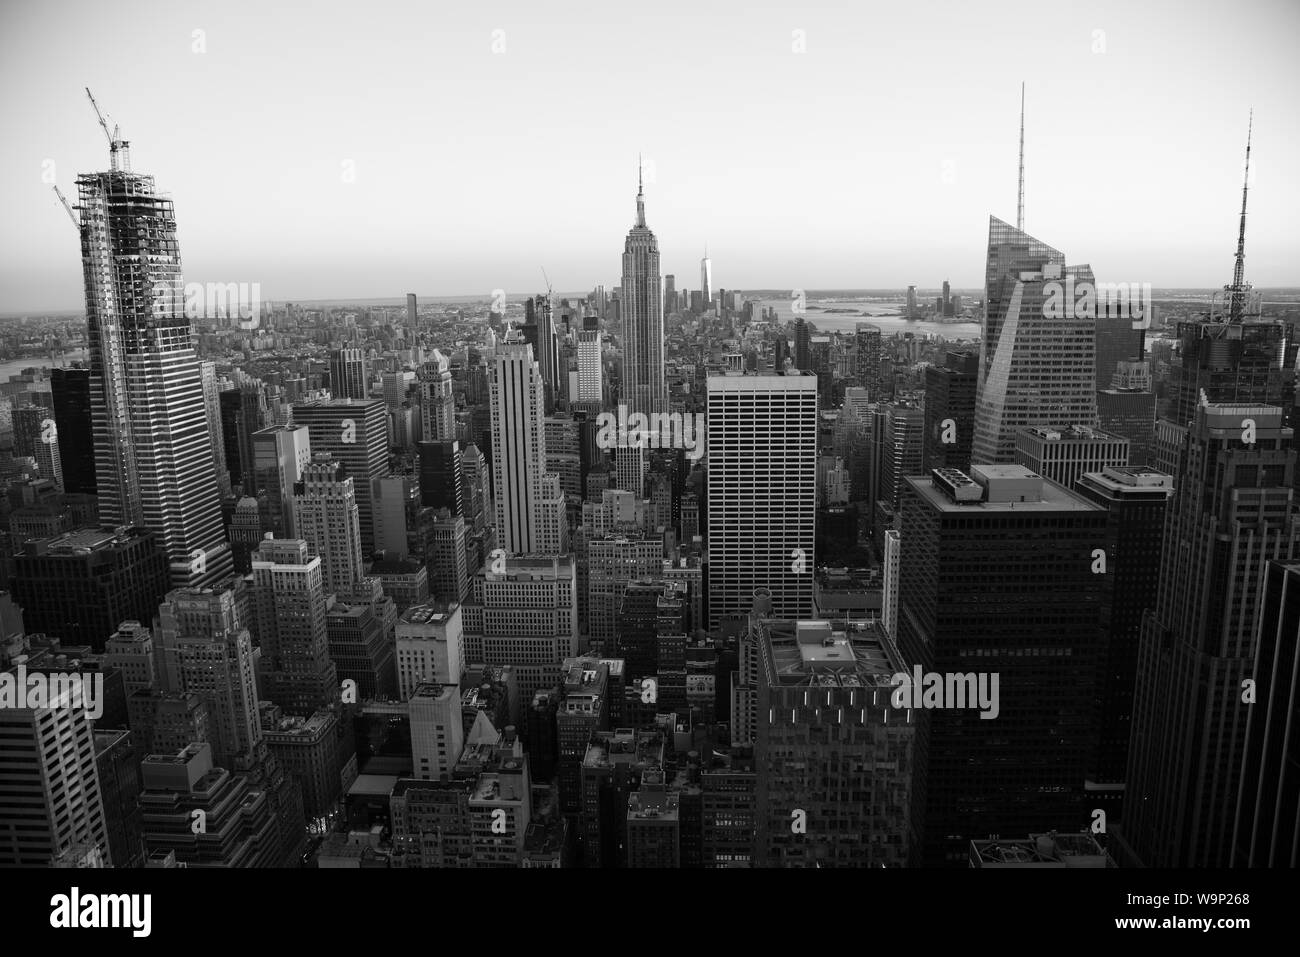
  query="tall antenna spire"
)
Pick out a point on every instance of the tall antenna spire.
point(640, 194)
point(1239, 291)
point(1020, 200)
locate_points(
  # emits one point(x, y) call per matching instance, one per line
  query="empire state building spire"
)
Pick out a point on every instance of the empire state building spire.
point(640, 194)
point(643, 315)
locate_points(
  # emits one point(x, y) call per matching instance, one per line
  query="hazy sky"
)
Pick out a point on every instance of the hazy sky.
point(871, 159)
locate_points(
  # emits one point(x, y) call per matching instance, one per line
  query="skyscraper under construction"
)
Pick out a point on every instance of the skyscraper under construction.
point(153, 459)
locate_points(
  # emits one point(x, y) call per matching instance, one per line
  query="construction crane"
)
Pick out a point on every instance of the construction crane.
point(116, 145)
point(68, 206)
point(548, 282)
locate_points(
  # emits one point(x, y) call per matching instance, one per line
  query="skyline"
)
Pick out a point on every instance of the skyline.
point(448, 212)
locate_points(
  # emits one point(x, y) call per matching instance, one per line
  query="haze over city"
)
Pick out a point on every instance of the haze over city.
point(459, 150)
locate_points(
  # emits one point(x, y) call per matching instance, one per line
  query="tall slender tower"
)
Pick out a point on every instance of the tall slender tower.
point(153, 454)
point(643, 317)
point(706, 280)
point(518, 447)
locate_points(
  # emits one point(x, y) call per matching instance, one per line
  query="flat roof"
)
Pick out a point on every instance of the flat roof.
point(1054, 497)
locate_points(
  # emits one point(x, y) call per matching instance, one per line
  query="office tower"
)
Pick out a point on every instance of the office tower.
point(1037, 361)
point(630, 468)
point(518, 447)
point(447, 560)
point(612, 563)
point(442, 474)
point(244, 411)
point(654, 826)
point(289, 603)
point(477, 485)
point(349, 378)
point(1230, 514)
point(539, 331)
point(637, 629)
point(1063, 455)
point(212, 412)
point(355, 434)
point(437, 400)
point(706, 280)
point(591, 386)
point(153, 459)
point(866, 365)
point(1128, 408)
point(1234, 355)
point(430, 648)
point(564, 452)
point(727, 824)
point(398, 522)
point(36, 434)
point(643, 388)
point(307, 748)
point(50, 781)
point(437, 732)
point(950, 411)
point(762, 462)
point(326, 515)
point(166, 721)
point(1135, 499)
point(72, 418)
point(245, 530)
point(526, 615)
point(612, 762)
point(552, 525)
point(834, 758)
point(802, 357)
point(81, 585)
point(280, 453)
point(204, 648)
point(412, 312)
point(395, 385)
point(903, 448)
point(1265, 830)
point(670, 294)
point(131, 651)
point(889, 596)
point(996, 578)
point(404, 580)
point(117, 763)
point(239, 821)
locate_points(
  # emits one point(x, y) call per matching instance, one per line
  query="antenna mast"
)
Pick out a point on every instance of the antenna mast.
point(1020, 201)
point(1239, 291)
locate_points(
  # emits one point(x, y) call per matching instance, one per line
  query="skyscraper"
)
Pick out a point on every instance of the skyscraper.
point(437, 402)
point(1037, 367)
point(326, 516)
point(518, 447)
point(1231, 513)
point(348, 375)
point(866, 364)
point(36, 434)
point(72, 417)
point(290, 605)
point(950, 411)
point(670, 295)
point(996, 580)
point(355, 434)
point(280, 453)
point(643, 318)
point(762, 463)
point(591, 387)
point(153, 460)
point(706, 280)
point(50, 782)
point(835, 766)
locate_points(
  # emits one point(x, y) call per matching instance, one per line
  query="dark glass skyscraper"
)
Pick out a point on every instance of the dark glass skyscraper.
point(71, 389)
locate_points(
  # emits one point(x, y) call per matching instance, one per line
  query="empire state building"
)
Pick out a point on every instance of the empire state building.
point(643, 318)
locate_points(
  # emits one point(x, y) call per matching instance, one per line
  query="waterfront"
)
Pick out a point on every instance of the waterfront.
point(886, 315)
